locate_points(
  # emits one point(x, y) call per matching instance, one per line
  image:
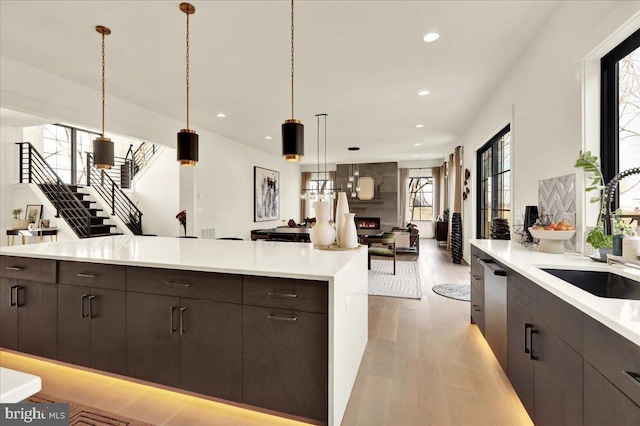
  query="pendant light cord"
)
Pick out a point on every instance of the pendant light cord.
point(187, 71)
point(103, 67)
point(292, 62)
point(318, 144)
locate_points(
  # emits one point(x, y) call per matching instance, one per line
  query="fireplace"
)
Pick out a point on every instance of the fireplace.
point(367, 222)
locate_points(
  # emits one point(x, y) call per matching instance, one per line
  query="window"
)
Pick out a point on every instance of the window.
point(420, 198)
point(620, 119)
point(494, 181)
point(65, 151)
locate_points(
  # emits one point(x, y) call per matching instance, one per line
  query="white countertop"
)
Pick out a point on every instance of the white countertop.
point(621, 315)
point(16, 386)
point(264, 258)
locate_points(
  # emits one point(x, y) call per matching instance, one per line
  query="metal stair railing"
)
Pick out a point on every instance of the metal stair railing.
point(35, 169)
point(125, 168)
point(121, 205)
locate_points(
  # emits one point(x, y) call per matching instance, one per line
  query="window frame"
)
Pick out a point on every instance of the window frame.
point(74, 146)
point(609, 108)
point(493, 177)
point(410, 193)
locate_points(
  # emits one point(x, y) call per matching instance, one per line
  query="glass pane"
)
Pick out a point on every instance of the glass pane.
point(507, 152)
point(629, 128)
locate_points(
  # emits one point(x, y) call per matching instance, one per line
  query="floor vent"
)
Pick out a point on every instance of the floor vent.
point(208, 233)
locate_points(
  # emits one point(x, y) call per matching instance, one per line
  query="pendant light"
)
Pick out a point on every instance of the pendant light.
point(187, 138)
point(292, 129)
point(102, 146)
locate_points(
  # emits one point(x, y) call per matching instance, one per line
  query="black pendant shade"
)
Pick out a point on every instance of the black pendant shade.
point(292, 140)
point(103, 153)
point(187, 147)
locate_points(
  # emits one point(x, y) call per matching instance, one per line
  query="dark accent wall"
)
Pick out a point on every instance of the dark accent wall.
point(385, 202)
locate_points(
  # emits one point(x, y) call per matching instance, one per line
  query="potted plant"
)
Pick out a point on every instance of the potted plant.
point(18, 223)
point(445, 214)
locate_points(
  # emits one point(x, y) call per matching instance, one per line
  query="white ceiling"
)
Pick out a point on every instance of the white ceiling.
point(362, 62)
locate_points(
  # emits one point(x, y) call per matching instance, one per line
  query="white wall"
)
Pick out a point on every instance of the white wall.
point(8, 176)
point(542, 99)
point(223, 177)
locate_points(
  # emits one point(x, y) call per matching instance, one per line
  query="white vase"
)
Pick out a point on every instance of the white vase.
point(342, 207)
point(348, 233)
point(322, 234)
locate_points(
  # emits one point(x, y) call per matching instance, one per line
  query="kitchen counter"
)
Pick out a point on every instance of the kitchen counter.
point(620, 315)
point(342, 273)
point(16, 386)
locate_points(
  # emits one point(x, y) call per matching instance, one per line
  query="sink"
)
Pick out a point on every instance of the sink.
point(600, 283)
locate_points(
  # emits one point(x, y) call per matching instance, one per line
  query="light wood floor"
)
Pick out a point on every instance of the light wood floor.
point(424, 365)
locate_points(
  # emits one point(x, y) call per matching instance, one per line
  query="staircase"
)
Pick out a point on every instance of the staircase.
point(73, 206)
point(126, 168)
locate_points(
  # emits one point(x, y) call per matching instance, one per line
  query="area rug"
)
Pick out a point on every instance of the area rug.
point(454, 291)
point(83, 415)
point(406, 282)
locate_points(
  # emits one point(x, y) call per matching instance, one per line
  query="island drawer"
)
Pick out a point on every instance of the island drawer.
point(95, 275)
point(286, 293)
point(26, 268)
point(189, 284)
point(477, 271)
point(617, 358)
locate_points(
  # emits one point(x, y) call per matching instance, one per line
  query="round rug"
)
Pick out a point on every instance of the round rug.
point(454, 291)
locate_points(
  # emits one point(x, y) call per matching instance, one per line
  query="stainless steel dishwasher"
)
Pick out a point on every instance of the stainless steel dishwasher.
point(495, 309)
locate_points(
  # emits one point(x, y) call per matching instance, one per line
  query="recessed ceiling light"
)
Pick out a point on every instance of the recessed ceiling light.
point(431, 37)
point(221, 115)
point(419, 126)
point(423, 93)
point(415, 155)
point(268, 137)
point(417, 144)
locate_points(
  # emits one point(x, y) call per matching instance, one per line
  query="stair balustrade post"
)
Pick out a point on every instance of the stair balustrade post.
point(30, 162)
point(21, 161)
point(113, 199)
point(58, 182)
point(88, 169)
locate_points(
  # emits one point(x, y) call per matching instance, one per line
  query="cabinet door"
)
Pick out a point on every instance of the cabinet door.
point(558, 380)
point(285, 361)
point(38, 318)
point(108, 330)
point(74, 325)
point(519, 364)
point(604, 404)
point(211, 348)
point(153, 338)
point(8, 313)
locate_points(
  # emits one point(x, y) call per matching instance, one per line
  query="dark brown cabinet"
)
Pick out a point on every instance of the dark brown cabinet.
point(28, 305)
point(285, 361)
point(519, 358)
point(91, 327)
point(604, 404)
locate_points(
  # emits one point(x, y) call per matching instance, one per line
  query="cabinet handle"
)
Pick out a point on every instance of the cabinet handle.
point(85, 275)
point(172, 327)
point(18, 296)
point(477, 277)
point(279, 318)
point(634, 376)
point(182, 329)
point(91, 306)
point(84, 296)
point(177, 284)
point(287, 295)
point(14, 268)
point(11, 292)
point(476, 308)
point(531, 355)
point(527, 327)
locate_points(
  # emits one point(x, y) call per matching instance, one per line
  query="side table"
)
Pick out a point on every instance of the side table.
point(35, 232)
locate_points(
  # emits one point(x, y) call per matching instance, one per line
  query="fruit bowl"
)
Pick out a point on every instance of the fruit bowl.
point(551, 241)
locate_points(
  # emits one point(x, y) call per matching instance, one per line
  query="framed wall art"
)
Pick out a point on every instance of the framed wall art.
point(266, 194)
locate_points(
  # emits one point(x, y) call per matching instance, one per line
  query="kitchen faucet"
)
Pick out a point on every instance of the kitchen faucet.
point(609, 192)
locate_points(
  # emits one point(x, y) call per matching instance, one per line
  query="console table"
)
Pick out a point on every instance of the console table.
point(35, 232)
point(442, 232)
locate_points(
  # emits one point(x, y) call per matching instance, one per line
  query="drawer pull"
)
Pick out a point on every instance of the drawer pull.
point(634, 376)
point(12, 301)
point(476, 308)
point(14, 268)
point(279, 318)
point(177, 284)
point(85, 275)
point(286, 295)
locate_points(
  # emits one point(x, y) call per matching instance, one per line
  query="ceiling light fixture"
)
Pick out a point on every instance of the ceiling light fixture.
point(354, 176)
point(102, 146)
point(292, 129)
point(431, 37)
point(268, 138)
point(321, 189)
point(187, 138)
point(423, 93)
point(417, 144)
point(419, 126)
point(221, 115)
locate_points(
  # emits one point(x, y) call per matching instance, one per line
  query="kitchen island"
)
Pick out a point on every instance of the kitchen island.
point(279, 326)
point(572, 355)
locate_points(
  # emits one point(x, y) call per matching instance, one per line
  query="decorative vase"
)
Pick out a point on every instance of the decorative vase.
point(322, 234)
point(348, 235)
point(19, 224)
point(342, 207)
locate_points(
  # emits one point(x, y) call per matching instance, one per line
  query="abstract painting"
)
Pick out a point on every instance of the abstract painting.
point(266, 194)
